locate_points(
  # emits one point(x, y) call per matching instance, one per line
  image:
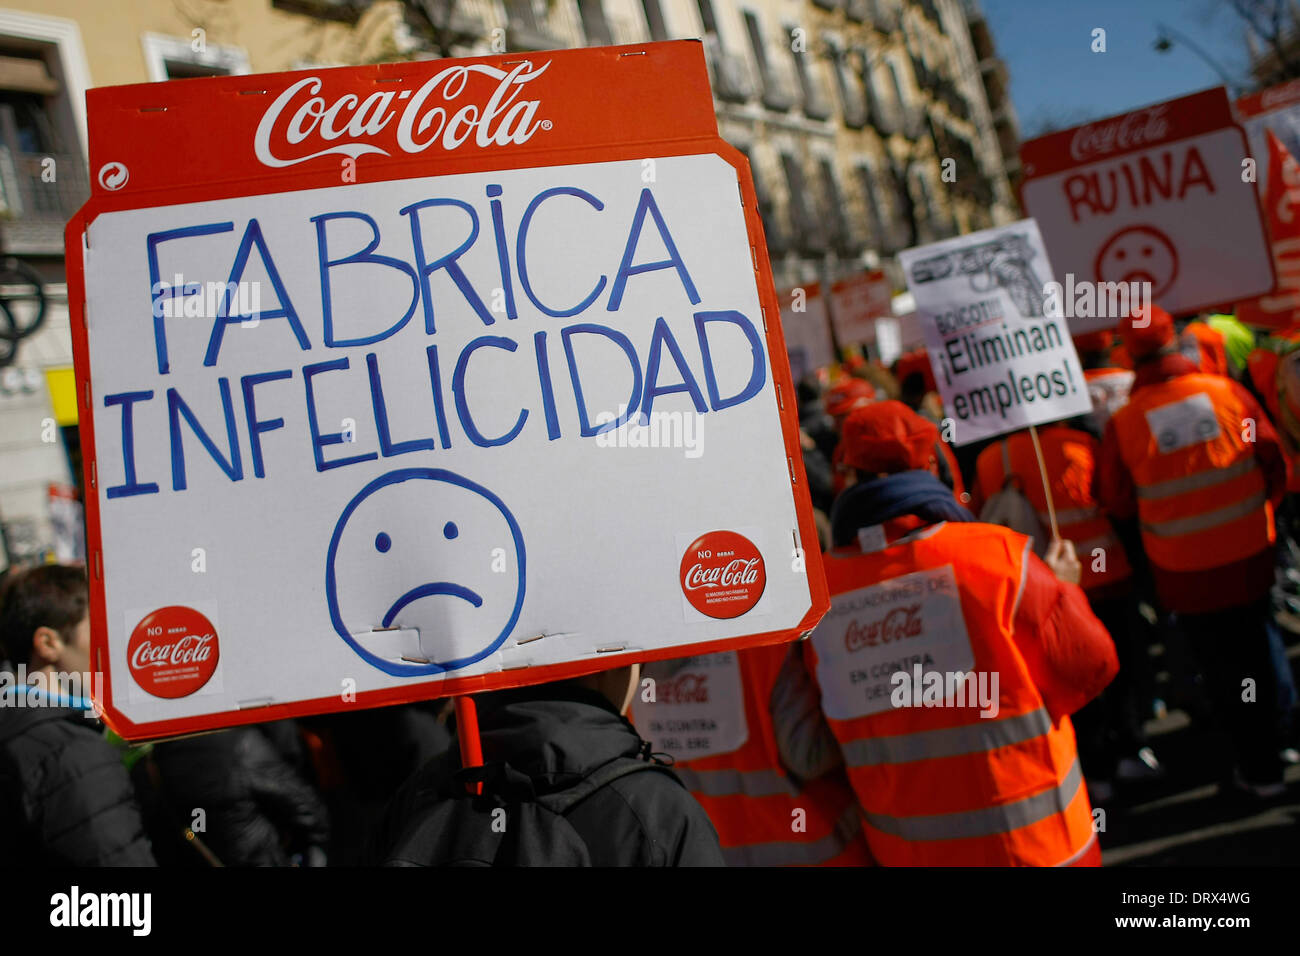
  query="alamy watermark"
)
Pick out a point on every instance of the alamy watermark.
point(922, 688)
point(23, 688)
point(1099, 300)
point(207, 300)
point(657, 430)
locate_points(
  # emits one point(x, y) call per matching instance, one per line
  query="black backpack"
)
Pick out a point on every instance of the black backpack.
point(508, 824)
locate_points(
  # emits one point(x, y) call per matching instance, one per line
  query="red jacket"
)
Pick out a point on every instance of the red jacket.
point(1216, 588)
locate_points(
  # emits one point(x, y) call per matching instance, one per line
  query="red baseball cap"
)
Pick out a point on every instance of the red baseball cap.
point(1144, 335)
point(848, 394)
point(886, 437)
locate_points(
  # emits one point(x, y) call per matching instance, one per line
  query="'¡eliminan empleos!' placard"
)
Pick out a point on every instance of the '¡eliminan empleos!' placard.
point(427, 378)
point(1000, 349)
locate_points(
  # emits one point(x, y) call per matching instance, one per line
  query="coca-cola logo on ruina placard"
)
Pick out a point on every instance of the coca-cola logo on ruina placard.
point(722, 574)
point(899, 623)
point(685, 689)
point(173, 652)
point(1140, 128)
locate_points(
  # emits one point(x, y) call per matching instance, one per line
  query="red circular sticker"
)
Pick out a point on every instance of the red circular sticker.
point(173, 652)
point(722, 574)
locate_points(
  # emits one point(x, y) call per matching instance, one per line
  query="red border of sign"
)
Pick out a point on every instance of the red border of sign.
point(425, 690)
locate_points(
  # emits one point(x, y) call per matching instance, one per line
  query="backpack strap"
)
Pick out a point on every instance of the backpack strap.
point(1008, 476)
point(565, 800)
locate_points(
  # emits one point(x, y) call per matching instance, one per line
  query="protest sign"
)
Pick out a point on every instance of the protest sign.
point(1272, 122)
point(1002, 355)
point(856, 303)
point(807, 330)
point(1149, 206)
point(1276, 110)
point(428, 378)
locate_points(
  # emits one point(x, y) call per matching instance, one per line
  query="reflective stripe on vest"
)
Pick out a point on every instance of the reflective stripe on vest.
point(1197, 482)
point(797, 852)
point(948, 742)
point(1209, 519)
point(730, 783)
point(987, 821)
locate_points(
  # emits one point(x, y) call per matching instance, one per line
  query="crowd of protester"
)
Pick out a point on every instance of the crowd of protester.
point(1155, 537)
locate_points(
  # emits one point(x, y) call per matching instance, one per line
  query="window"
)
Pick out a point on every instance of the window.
point(707, 18)
point(654, 18)
point(755, 32)
point(176, 58)
point(594, 24)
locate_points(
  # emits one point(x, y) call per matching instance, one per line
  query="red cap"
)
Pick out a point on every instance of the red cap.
point(886, 437)
point(1094, 341)
point(848, 394)
point(917, 361)
point(1144, 335)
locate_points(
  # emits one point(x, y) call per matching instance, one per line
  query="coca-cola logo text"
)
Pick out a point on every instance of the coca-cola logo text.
point(899, 623)
point(733, 573)
point(1141, 128)
point(685, 689)
point(301, 124)
point(722, 574)
point(173, 652)
point(187, 650)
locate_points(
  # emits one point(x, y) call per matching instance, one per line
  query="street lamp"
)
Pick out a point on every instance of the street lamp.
point(1164, 42)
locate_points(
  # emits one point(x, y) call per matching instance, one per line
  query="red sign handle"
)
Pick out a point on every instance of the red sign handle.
point(471, 748)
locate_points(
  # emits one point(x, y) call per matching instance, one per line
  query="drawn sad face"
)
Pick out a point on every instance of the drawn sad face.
point(425, 572)
point(1138, 254)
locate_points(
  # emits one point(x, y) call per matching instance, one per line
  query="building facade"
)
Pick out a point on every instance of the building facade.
point(868, 125)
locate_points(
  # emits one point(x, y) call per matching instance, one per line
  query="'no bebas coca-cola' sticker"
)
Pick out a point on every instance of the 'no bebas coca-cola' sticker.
point(173, 652)
point(722, 574)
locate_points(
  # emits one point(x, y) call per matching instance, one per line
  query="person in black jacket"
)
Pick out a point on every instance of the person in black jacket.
point(256, 809)
point(65, 798)
point(557, 734)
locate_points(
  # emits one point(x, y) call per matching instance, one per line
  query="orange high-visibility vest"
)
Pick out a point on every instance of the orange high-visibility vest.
point(1202, 497)
point(944, 785)
point(1071, 460)
point(763, 816)
point(1108, 388)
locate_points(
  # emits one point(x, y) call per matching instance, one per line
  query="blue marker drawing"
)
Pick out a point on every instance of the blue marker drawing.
point(427, 550)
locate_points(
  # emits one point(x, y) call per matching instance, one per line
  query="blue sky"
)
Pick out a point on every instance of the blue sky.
point(1055, 76)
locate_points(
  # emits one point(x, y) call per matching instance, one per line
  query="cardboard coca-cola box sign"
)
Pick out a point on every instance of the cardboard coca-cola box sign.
point(419, 379)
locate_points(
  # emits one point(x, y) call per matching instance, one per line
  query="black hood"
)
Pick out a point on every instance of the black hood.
point(15, 721)
point(553, 732)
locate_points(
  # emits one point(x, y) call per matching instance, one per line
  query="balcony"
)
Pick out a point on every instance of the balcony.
point(885, 15)
point(779, 89)
point(810, 239)
point(35, 211)
point(464, 20)
point(816, 98)
point(858, 11)
point(731, 80)
point(525, 32)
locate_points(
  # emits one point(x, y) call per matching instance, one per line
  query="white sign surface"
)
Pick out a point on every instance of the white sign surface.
point(699, 707)
point(377, 461)
point(873, 633)
point(1001, 361)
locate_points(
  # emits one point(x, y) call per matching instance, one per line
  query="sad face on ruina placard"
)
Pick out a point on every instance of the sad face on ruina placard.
point(1138, 254)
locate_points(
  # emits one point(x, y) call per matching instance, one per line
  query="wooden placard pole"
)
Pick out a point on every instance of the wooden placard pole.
point(1047, 485)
